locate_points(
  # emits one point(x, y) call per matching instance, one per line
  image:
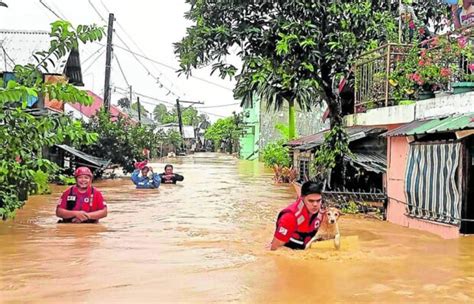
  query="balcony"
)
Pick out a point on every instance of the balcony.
point(396, 74)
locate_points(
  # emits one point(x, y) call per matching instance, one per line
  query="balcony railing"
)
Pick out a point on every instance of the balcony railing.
point(372, 71)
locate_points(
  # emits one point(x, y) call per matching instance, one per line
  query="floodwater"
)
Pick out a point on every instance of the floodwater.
point(203, 241)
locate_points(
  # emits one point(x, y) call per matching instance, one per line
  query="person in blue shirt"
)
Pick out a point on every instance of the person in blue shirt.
point(142, 179)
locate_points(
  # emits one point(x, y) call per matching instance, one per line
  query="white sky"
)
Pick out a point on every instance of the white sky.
point(154, 26)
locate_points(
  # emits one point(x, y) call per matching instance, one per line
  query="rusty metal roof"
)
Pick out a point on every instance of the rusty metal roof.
point(312, 141)
point(18, 47)
point(439, 125)
point(92, 161)
point(369, 160)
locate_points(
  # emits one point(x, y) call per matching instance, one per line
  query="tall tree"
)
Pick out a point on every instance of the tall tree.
point(159, 113)
point(124, 102)
point(142, 108)
point(292, 51)
point(23, 135)
point(224, 130)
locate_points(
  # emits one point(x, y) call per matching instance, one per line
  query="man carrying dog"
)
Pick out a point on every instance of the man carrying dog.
point(299, 222)
point(81, 203)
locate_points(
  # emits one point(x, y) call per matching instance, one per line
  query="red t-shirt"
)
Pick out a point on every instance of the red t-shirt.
point(83, 200)
point(286, 226)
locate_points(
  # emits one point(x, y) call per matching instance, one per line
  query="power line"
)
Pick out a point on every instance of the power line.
point(161, 101)
point(127, 49)
point(146, 96)
point(136, 58)
point(174, 69)
point(50, 9)
point(121, 70)
point(139, 48)
point(145, 57)
point(88, 58)
point(219, 106)
point(92, 63)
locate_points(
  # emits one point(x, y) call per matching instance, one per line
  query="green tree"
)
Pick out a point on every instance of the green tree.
point(292, 51)
point(174, 138)
point(120, 140)
point(144, 111)
point(124, 103)
point(190, 117)
point(225, 130)
point(159, 113)
point(23, 135)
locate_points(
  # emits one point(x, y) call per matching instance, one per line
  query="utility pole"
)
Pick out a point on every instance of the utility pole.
point(180, 119)
point(108, 60)
point(131, 95)
point(139, 110)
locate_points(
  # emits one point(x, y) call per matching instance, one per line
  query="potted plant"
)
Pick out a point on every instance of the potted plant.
point(427, 68)
point(464, 79)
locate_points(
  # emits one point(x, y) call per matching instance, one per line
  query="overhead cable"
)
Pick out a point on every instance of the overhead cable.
point(121, 70)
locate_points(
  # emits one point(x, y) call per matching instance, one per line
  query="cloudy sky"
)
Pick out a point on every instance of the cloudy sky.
point(147, 28)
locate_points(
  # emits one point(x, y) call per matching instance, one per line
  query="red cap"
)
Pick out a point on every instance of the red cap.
point(83, 171)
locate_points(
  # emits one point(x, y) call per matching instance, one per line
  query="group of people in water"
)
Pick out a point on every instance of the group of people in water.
point(83, 203)
point(295, 226)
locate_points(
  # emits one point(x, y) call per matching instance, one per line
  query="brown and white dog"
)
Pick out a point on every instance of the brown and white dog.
point(328, 229)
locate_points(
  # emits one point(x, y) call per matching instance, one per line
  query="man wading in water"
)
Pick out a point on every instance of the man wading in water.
point(81, 203)
point(299, 222)
point(168, 177)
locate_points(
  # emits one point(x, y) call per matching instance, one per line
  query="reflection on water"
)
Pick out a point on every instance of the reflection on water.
point(203, 241)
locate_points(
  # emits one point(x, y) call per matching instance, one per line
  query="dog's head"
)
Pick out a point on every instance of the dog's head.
point(332, 215)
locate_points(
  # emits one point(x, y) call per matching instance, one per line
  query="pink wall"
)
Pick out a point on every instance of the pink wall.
point(397, 155)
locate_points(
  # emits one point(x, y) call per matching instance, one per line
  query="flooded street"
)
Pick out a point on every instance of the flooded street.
point(204, 239)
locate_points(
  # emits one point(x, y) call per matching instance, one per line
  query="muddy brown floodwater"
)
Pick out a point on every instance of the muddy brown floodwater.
point(203, 241)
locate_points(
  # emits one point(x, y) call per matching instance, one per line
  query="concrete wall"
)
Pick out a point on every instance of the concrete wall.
point(397, 149)
point(422, 109)
point(446, 105)
point(307, 123)
point(250, 140)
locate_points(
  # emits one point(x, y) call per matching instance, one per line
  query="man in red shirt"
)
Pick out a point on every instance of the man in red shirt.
point(299, 222)
point(81, 203)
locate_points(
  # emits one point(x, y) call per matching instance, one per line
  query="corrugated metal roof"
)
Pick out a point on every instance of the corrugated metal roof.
point(134, 115)
point(369, 160)
point(439, 125)
point(188, 131)
point(354, 133)
point(92, 160)
point(18, 47)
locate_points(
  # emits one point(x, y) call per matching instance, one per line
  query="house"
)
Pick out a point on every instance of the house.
point(430, 150)
point(365, 168)
point(19, 47)
point(133, 115)
point(189, 136)
point(202, 144)
point(80, 111)
point(259, 126)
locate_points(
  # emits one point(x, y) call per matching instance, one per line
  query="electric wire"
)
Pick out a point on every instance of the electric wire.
point(92, 63)
point(141, 50)
point(137, 59)
point(88, 58)
point(121, 70)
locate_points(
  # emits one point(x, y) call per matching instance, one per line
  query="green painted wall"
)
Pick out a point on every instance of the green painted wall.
point(249, 142)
